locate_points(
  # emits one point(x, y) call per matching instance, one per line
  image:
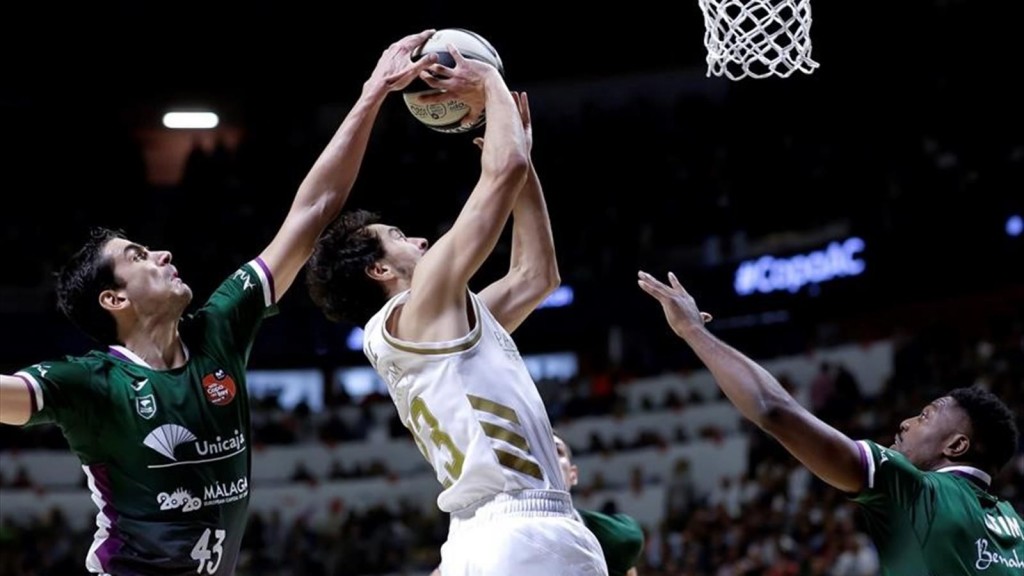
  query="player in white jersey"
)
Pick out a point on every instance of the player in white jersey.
point(446, 353)
point(472, 405)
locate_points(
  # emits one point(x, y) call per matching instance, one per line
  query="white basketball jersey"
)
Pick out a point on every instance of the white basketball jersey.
point(471, 406)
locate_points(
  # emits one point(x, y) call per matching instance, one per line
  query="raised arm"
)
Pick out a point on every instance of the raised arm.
point(826, 452)
point(436, 309)
point(15, 401)
point(325, 188)
point(533, 270)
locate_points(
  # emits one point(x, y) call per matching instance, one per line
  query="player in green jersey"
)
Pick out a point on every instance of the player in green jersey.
point(925, 498)
point(160, 417)
point(620, 535)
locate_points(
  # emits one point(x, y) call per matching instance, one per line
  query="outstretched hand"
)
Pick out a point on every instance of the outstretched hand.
point(396, 69)
point(523, 103)
point(680, 308)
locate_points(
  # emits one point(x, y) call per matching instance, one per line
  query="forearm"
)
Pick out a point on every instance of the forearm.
point(533, 244)
point(752, 389)
point(329, 181)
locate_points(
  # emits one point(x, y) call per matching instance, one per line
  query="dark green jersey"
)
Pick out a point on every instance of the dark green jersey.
point(166, 452)
point(620, 536)
point(941, 523)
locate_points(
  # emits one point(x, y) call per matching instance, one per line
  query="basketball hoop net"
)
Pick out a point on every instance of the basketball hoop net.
point(757, 38)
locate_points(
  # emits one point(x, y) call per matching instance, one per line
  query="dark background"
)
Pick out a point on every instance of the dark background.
point(908, 135)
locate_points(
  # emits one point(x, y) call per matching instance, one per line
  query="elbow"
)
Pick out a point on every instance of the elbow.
point(511, 170)
point(545, 284)
point(776, 414)
point(537, 284)
point(329, 205)
point(541, 274)
point(551, 280)
point(518, 168)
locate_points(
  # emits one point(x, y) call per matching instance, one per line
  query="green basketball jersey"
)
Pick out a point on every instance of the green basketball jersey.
point(941, 523)
point(166, 452)
point(620, 536)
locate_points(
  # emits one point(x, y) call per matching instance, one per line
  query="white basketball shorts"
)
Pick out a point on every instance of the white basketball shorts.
point(532, 532)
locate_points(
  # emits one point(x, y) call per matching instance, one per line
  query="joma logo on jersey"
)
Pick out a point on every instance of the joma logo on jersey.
point(246, 279)
point(181, 446)
point(219, 387)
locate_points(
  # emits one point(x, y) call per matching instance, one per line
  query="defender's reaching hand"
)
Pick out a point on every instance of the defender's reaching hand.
point(680, 308)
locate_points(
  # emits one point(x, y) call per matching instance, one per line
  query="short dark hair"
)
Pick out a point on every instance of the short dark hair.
point(993, 425)
point(80, 281)
point(336, 272)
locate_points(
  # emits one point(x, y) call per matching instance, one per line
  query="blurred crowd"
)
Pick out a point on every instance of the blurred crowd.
point(775, 519)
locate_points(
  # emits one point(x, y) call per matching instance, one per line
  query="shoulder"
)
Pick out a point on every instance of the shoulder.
point(875, 455)
point(90, 363)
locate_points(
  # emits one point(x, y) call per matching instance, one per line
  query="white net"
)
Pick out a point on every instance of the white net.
point(757, 38)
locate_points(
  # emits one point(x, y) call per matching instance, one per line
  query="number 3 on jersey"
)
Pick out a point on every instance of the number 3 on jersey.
point(418, 412)
point(209, 558)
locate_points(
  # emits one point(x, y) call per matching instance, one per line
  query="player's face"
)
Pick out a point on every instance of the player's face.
point(569, 471)
point(924, 438)
point(150, 281)
point(401, 253)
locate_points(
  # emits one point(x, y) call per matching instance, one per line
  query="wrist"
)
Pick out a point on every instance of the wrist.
point(691, 331)
point(374, 90)
point(493, 79)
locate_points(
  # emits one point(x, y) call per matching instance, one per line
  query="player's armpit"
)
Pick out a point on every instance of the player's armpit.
point(15, 401)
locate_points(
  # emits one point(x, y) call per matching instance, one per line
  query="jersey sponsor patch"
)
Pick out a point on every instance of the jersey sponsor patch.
point(219, 387)
point(179, 499)
point(213, 494)
point(180, 446)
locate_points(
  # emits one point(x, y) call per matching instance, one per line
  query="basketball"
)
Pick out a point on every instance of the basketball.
point(447, 116)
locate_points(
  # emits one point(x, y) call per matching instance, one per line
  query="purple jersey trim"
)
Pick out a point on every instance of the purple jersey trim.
point(270, 279)
point(113, 351)
point(867, 464)
point(31, 392)
point(113, 542)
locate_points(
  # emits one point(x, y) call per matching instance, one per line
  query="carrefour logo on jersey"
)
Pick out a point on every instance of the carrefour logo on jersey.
point(179, 445)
